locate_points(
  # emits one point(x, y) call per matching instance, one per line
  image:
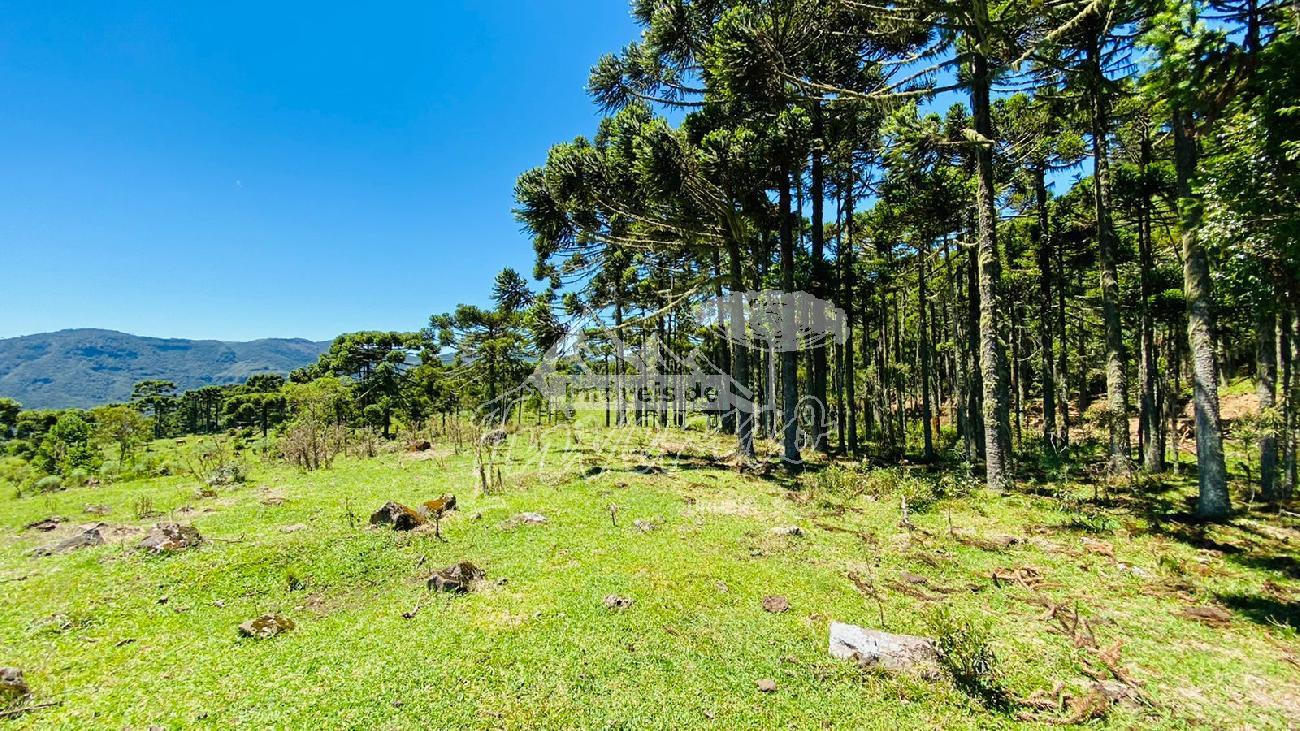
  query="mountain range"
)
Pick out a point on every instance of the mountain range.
point(88, 367)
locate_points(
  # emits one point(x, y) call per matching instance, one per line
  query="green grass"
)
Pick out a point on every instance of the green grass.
point(535, 647)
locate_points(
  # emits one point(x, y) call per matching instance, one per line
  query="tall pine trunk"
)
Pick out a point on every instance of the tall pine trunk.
point(1266, 390)
point(1153, 445)
point(924, 333)
point(993, 354)
point(975, 377)
point(1116, 376)
point(728, 417)
point(1043, 235)
point(819, 277)
point(789, 354)
point(850, 306)
point(1063, 352)
point(1212, 472)
point(1291, 389)
point(741, 403)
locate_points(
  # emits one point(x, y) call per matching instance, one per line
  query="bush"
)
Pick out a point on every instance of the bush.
point(110, 471)
point(837, 481)
point(143, 508)
point(17, 474)
point(921, 493)
point(966, 654)
point(229, 474)
point(310, 444)
point(49, 483)
point(1085, 517)
point(956, 484)
point(67, 446)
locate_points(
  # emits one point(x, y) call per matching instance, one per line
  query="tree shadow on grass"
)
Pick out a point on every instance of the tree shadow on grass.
point(1263, 609)
point(1283, 564)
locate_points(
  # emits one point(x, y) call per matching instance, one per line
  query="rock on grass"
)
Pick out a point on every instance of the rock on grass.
point(873, 648)
point(171, 537)
point(85, 538)
point(13, 688)
point(47, 524)
point(616, 602)
point(457, 578)
point(398, 516)
point(266, 626)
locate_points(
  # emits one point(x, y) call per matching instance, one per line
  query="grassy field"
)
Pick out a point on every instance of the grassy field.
point(1066, 579)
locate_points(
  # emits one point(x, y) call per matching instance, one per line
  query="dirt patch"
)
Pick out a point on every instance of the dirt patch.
point(1265, 693)
point(1208, 615)
point(107, 534)
point(437, 454)
point(730, 506)
point(266, 626)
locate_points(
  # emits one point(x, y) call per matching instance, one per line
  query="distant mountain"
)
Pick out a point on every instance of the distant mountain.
point(83, 368)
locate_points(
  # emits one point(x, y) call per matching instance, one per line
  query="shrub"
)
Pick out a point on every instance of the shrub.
point(956, 484)
point(110, 471)
point(312, 445)
point(67, 446)
point(1084, 517)
point(17, 474)
point(837, 481)
point(966, 654)
point(143, 508)
point(49, 483)
point(228, 474)
point(215, 463)
point(920, 493)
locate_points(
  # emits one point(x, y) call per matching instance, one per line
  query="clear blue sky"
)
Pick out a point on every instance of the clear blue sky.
point(239, 170)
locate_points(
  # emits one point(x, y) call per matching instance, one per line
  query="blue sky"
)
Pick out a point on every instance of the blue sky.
point(239, 170)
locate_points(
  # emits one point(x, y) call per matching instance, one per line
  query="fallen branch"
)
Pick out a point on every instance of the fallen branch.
point(16, 712)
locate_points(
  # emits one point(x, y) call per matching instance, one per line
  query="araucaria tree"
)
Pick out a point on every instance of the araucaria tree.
point(1040, 232)
point(815, 146)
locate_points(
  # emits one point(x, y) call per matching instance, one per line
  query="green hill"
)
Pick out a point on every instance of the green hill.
point(667, 612)
point(87, 367)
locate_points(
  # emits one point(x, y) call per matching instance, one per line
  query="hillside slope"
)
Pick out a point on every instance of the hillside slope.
point(1051, 592)
point(87, 367)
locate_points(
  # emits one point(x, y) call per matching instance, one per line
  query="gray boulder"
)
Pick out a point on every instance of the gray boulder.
point(13, 688)
point(397, 515)
point(873, 648)
point(171, 537)
point(457, 578)
point(83, 538)
point(46, 525)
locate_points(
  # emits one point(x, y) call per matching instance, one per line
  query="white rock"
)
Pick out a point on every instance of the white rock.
point(871, 647)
